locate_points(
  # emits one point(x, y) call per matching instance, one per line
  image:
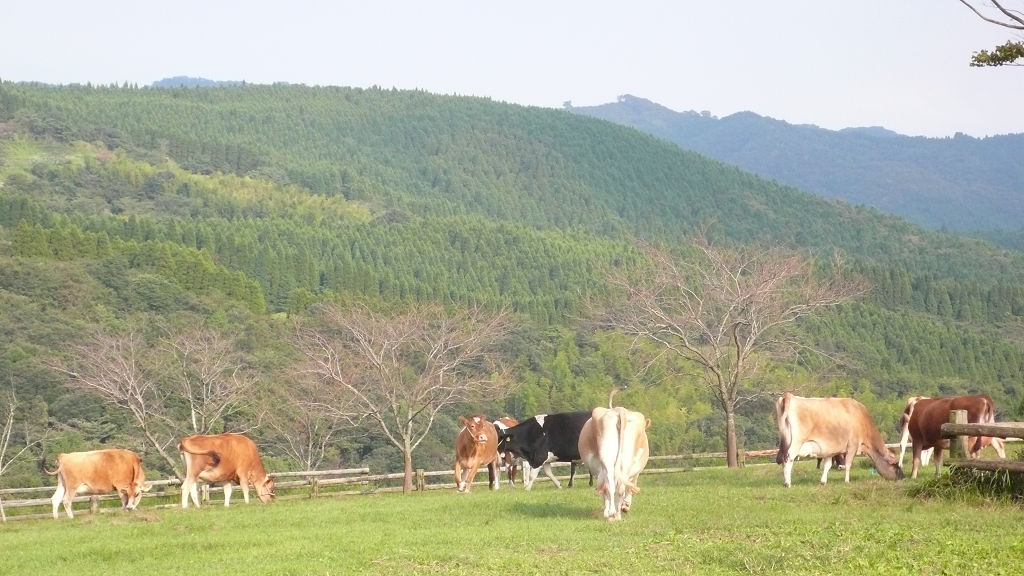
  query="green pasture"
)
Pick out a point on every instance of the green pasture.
point(714, 521)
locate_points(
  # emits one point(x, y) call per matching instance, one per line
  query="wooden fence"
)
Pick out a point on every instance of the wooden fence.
point(322, 483)
point(957, 430)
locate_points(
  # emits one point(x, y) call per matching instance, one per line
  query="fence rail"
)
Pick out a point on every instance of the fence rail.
point(957, 431)
point(320, 483)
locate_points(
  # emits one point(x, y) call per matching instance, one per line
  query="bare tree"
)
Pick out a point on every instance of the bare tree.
point(728, 311)
point(123, 371)
point(212, 377)
point(28, 439)
point(309, 416)
point(1009, 53)
point(402, 370)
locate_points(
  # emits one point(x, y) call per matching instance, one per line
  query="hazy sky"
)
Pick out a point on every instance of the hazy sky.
point(901, 64)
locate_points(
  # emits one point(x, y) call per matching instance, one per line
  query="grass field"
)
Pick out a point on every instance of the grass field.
point(702, 522)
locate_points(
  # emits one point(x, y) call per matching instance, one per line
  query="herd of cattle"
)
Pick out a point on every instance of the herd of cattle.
point(612, 442)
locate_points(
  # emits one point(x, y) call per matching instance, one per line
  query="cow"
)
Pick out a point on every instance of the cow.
point(908, 411)
point(476, 445)
point(614, 443)
point(223, 458)
point(98, 472)
point(825, 427)
point(507, 458)
point(929, 414)
point(544, 439)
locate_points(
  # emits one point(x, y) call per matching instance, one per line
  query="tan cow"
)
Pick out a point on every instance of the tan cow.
point(223, 458)
point(614, 443)
point(98, 472)
point(476, 445)
point(929, 414)
point(825, 427)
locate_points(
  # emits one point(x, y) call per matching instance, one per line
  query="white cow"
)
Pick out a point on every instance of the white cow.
point(614, 443)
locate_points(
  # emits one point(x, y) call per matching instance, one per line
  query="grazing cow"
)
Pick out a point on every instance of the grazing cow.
point(614, 443)
point(908, 411)
point(544, 439)
point(223, 458)
point(98, 472)
point(825, 427)
point(476, 445)
point(507, 458)
point(929, 414)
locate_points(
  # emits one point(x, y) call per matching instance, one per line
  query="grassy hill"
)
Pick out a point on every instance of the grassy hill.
point(241, 207)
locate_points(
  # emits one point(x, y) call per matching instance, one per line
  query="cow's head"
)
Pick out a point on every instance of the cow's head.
point(890, 469)
point(132, 495)
point(265, 490)
point(477, 426)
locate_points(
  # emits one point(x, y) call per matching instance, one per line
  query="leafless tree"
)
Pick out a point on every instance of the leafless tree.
point(122, 370)
point(401, 370)
point(308, 417)
point(151, 381)
point(728, 311)
point(211, 376)
point(29, 438)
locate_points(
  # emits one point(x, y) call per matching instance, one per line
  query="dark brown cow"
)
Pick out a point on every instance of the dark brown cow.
point(223, 458)
point(825, 427)
point(929, 414)
point(476, 445)
point(506, 458)
point(98, 472)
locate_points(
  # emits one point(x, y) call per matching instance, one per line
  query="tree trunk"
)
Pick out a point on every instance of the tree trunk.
point(407, 485)
point(174, 464)
point(730, 437)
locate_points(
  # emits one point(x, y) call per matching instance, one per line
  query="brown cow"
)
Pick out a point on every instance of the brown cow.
point(223, 458)
point(475, 446)
point(929, 414)
point(825, 427)
point(98, 472)
point(614, 443)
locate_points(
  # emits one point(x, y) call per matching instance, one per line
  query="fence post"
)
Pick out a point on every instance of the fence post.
point(204, 493)
point(421, 480)
point(958, 445)
point(314, 487)
point(94, 505)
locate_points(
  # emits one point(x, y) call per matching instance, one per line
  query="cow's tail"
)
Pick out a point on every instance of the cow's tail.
point(785, 430)
point(611, 396)
point(621, 476)
point(42, 466)
point(213, 455)
point(988, 416)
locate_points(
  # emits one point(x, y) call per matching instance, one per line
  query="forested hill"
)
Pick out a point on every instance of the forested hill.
point(243, 206)
point(960, 183)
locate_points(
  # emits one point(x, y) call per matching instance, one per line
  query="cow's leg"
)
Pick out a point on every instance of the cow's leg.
point(227, 493)
point(550, 474)
point(572, 472)
point(460, 483)
point(926, 456)
point(848, 462)
point(58, 498)
point(825, 467)
point(243, 481)
point(917, 460)
point(787, 472)
point(193, 491)
point(938, 459)
point(997, 443)
point(470, 475)
point(529, 475)
point(494, 474)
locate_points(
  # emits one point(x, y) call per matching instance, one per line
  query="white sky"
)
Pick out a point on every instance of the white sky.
point(901, 64)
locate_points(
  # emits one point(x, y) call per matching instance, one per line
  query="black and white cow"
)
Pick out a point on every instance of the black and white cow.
point(544, 439)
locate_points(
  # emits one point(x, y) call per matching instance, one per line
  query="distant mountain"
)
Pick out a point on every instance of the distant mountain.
point(960, 183)
point(190, 82)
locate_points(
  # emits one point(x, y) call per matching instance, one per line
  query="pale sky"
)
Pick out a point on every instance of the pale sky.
point(901, 64)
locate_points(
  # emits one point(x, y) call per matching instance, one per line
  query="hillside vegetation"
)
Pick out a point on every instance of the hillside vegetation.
point(242, 207)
